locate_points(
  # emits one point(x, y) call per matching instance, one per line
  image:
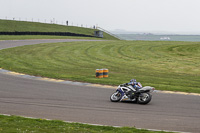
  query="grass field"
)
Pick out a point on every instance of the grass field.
point(14, 124)
point(20, 26)
point(165, 65)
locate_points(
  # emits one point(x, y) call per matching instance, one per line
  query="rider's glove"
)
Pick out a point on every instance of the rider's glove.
point(126, 84)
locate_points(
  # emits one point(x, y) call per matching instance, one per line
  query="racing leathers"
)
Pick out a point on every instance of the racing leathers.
point(136, 85)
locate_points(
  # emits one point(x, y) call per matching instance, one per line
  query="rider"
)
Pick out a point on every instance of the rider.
point(136, 85)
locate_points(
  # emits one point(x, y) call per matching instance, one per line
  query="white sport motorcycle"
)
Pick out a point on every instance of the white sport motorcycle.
point(126, 92)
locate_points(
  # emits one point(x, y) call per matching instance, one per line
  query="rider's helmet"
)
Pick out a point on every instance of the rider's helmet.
point(133, 81)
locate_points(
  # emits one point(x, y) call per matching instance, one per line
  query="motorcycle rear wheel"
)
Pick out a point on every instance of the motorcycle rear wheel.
point(115, 97)
point(144, 98)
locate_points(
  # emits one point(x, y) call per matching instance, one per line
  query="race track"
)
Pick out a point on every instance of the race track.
point(89, 104)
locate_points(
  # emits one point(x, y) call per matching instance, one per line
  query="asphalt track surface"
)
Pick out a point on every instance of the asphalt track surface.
point(89, 104)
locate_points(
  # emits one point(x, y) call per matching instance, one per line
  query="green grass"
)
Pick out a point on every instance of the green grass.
point(20, 26)
point(15, 124)
point(26, 37)
point(165, 65)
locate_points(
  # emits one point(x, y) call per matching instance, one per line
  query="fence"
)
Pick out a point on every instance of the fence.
point(109, 33)
point(48, 21)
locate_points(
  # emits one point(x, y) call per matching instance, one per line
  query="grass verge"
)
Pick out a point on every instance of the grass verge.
point(170, 65)
point(17, 124)
point(22, 26)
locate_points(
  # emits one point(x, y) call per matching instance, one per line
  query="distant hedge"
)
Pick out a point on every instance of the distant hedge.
point(45, 33)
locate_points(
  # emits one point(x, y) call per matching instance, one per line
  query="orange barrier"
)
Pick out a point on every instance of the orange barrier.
point(101, 73)
point(105, 73)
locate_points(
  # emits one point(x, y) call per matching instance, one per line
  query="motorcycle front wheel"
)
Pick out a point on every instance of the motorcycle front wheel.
point(115, 97)
point(144, 98)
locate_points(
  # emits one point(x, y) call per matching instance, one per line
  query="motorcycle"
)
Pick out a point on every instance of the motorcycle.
point(126, 92)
